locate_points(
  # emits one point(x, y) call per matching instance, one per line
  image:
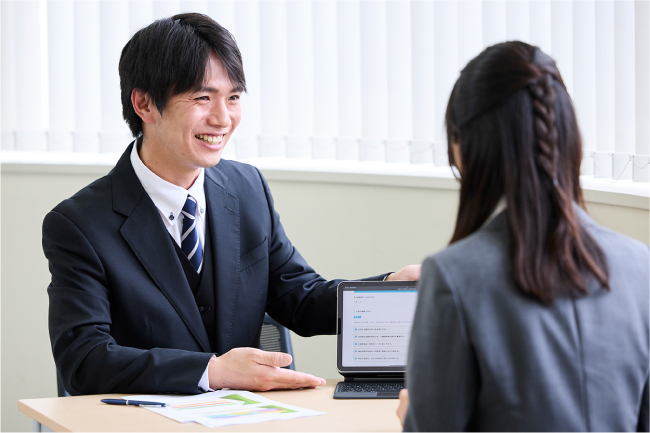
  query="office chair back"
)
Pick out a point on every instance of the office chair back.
point(59, 387)
point(276, 338)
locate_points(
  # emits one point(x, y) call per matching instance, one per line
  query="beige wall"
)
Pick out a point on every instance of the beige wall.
point(343, 230)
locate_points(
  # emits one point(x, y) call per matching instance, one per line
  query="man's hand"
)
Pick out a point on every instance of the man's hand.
point(251, 369)
point(407, 273)
point(403, 405)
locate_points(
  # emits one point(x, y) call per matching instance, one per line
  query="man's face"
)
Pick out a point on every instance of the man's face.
point(193, 129)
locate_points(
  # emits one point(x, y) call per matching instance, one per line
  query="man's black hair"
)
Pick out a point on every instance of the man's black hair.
point(170, 56)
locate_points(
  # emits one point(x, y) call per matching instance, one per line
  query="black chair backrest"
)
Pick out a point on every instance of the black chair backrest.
point(59, 387)
point(276, 338)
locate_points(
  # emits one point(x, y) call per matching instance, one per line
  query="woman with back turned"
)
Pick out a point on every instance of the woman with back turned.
point(534, 318)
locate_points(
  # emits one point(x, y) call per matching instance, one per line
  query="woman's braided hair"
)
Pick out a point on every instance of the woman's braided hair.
point(514, 121)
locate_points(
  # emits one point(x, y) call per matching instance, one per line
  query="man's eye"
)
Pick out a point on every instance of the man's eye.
point(203, 98)
point(234, 97)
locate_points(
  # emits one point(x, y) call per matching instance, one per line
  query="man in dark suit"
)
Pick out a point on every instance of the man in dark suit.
point(163, 269)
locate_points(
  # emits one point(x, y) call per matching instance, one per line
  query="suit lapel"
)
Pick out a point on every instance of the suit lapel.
point(147, 236)
point(223, 217)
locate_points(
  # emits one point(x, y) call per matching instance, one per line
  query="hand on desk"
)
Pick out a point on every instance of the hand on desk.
point(403, 405)
point(407, 273)
point(256, 370)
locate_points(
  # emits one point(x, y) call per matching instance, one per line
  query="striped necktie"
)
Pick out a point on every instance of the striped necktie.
point(190, 241)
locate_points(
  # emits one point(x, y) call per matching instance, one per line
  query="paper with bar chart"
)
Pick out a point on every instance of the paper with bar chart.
point(225, 407)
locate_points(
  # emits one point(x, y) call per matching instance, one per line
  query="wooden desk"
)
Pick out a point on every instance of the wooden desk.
point(86, 413)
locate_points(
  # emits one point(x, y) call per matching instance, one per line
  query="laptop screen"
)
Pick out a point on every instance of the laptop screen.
point(375, 319)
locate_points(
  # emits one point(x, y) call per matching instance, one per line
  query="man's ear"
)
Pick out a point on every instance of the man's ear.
point(143, 106)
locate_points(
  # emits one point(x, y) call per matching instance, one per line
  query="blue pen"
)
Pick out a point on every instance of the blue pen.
point(133, 402)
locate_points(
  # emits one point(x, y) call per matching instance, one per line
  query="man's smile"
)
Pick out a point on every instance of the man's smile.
point(210, 138)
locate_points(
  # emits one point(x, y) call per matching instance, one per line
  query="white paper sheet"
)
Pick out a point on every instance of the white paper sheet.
point(225, 407)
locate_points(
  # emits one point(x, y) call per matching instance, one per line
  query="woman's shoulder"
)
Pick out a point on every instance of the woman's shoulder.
point(488, 244)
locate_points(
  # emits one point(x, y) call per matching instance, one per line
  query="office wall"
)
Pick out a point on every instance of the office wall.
point(343, 230)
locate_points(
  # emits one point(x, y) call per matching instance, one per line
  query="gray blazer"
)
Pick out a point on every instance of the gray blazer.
point(484, 356)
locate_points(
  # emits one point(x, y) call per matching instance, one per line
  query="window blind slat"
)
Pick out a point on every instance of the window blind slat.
point(470, 39)
point(30, 134)
point(517, 19)
point(61, 76)
point(301, 78)
point(641, 167)
point(325, 73)
point(88, 97)
point(374, 81)
point(562, 39)
point(624, 72)
point(399, 88)
point(114, 34)
point(423, 69)
point(624, 89)
point(200, 6)
point(494, 22)
point(349, 79)
point(166, 8)
point(642, 76)
point(8, 64)
point(584, 89)
point(274, 73)
point(141, 13)
point(446, 71)
point(540, 24)
point(605, 96)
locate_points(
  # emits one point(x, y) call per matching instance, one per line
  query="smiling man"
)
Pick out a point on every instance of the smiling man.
point(163, 269)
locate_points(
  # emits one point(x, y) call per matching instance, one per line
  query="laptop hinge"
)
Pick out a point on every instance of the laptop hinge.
point(376, 377)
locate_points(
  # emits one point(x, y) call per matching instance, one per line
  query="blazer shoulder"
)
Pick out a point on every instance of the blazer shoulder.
point(92, 200)
point(232, 168)
point(485, 247)
point(236, 176)
point(618, 243)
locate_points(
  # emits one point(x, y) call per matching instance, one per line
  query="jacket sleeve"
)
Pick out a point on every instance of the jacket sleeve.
point(87, 358)
point(442, 373)
point(299, 298)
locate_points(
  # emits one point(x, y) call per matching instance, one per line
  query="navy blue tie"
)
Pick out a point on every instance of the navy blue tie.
point(190, 241)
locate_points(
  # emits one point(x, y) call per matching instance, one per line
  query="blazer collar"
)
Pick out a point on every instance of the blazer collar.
point(500, 220)
point(147, 236)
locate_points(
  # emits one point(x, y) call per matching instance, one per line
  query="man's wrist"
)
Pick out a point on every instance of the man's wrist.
point(213, 373)
point(204, 383)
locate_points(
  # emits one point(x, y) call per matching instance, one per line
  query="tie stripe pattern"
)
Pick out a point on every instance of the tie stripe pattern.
point(190, 241)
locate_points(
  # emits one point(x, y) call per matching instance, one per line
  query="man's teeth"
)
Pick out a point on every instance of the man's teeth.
point(210, 138)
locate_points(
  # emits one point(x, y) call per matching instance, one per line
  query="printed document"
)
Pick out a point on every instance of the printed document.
point(224, 407)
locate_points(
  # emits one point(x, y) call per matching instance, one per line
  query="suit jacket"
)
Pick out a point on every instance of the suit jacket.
point(122, 315)
point(485, 356)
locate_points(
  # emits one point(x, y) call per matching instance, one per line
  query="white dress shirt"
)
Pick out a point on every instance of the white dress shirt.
point(169, 199)
point(500, 207)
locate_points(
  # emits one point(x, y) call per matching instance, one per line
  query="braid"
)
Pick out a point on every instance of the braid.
point(564, 233)
point(543, 96)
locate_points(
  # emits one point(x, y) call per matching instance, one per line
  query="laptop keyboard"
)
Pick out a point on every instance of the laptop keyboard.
point(383, 389)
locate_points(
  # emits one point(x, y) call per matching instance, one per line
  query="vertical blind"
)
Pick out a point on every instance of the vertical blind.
point(347, 80)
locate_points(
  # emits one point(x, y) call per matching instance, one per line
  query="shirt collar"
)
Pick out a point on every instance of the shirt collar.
point(168, 198)
point(500, 207)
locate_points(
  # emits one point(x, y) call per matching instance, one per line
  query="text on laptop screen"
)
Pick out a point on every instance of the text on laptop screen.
point(377, 327)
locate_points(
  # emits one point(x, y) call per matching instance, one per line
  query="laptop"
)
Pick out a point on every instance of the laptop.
point(374, 329)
